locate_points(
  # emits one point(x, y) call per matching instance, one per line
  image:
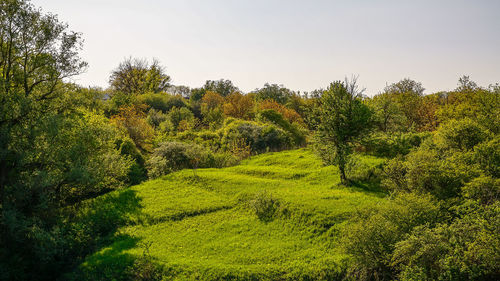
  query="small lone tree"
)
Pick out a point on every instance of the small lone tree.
point(343, 119)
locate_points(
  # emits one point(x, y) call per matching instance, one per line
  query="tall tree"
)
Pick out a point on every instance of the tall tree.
point(52, 152)
point(343, 118)
point(138, 76)
point(221, 87)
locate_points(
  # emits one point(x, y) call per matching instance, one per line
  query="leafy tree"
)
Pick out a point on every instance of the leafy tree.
point(343, 119)
point(221, 87)
point(387, 115)
point(407, 94)
point(238, 106)
point(137, 76)
point(211, 101)
point(133, 122)
point(274, 92)
point(289, 114)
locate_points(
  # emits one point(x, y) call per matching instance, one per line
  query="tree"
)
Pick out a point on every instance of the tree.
point(238, 106)
point(221, 87)
point(343, 118)
point(138, 76)
point(53, 151)
point(274, 92)
point(407, 94)
point(36, 53)
point(133, 122)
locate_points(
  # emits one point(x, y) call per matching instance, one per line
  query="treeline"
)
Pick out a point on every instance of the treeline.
point(61, 144)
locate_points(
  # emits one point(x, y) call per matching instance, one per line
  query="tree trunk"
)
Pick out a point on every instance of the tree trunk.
point(343, 178)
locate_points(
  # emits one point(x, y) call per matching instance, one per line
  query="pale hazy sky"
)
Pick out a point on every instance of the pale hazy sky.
point(303, 45)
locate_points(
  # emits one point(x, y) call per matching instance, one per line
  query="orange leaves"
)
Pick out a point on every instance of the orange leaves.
point(289, 114)
point(238, 106)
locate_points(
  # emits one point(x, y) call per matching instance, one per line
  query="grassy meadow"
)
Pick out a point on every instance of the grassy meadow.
point(202, 225)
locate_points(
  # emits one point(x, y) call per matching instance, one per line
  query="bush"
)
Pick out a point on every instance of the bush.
point(466, 249)
point(276, 118)
point(173, 156)
point(484, 189)
point(265, 206)
point(162, 101)
point(178, 119)
point(371, 239)
point(392, 144)
point(260, 137)
point(460, 134)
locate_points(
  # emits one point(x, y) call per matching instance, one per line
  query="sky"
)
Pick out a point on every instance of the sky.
point(303, 45)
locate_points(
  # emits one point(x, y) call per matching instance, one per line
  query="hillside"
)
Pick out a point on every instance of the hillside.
point(205, 226)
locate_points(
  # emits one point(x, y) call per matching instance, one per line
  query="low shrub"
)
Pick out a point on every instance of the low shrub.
point(265, 206)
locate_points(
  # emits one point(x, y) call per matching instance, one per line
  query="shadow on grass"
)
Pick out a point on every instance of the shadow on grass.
point(97, 247)
point(372, 187)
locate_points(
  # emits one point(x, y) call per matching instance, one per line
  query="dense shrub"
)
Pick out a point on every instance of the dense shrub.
point(162, 101)
point(137, 171)
point(466, 249)
point(372, 237)
point(392, 144)
point(276, 118)
point(178, 119)
point(172, 156)
point(260, 137)
point(460, 134)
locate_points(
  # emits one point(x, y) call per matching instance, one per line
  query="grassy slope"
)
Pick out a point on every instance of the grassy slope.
point(205, 226)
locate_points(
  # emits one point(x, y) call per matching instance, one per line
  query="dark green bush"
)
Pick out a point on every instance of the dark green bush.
point(276, 118)
point(466, 249)
point(173, 156)
point(372, 237)
point(162, 101)
point(260, 137)
point(392, 144)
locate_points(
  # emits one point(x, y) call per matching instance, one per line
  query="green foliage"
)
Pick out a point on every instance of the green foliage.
point(371, 240)
point(178, 119)
point(137, 171)
point(136, 76)
point(487, 154)
point(161, 101)
point(344, 118)
point(466, 249)
point(221, 87)
point(276, 118)
point(274, 92)
point(461, 134)
point(484, 189)
point(392, 144)
point(260, 137)
point(265, 206)
point(173, 156)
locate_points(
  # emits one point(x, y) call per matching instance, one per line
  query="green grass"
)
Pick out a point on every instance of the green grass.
point(205, 228)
